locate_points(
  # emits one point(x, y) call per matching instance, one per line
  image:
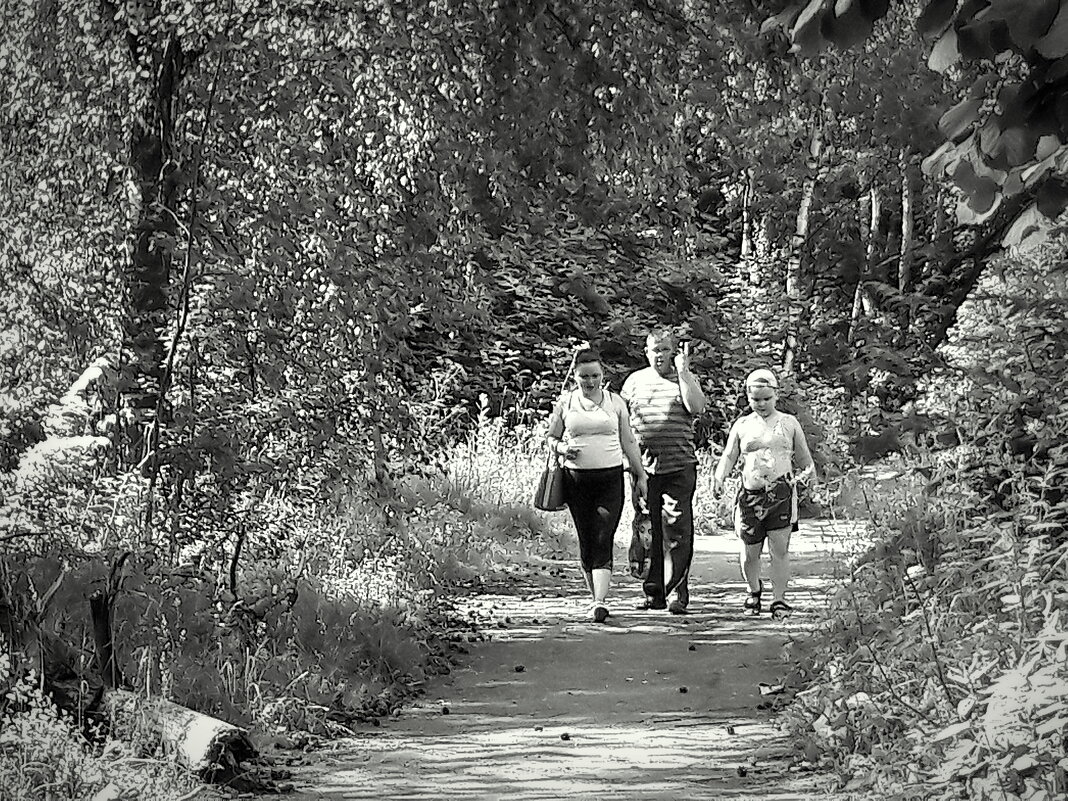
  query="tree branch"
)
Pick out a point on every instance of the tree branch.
point(565, 29)
point(985, 246)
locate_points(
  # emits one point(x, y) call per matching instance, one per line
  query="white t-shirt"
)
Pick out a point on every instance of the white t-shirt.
point(593, 429)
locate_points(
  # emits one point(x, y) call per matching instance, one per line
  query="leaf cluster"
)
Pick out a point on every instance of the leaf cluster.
point(1007, 136)
point(941, 666)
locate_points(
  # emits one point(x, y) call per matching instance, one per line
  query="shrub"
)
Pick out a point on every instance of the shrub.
point(43, 754)
point(941, 665)
point(290, 612)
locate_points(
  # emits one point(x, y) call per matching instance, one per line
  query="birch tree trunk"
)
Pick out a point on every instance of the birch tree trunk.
point(904, 269)
point(754, 268)
point(211, 748)
point(798, 243)
point(870, 209)
point(748, 245)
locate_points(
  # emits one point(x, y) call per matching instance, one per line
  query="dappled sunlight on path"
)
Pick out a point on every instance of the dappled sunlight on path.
point(649, 705)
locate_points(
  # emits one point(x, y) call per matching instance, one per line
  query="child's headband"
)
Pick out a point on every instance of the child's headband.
point(762, 378)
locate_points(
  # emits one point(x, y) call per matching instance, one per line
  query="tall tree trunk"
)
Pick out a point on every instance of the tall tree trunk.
point(761, 310)
point(870, 210)
point(372, 361)
point(748, 246)
point(943, 231)
point(756, 242)
point(148, 271)
point(797, 249)
point(904, 268)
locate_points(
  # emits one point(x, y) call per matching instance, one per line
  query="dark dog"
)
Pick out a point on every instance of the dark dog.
point(641, 537)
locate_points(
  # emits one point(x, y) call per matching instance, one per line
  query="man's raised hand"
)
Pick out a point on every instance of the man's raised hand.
point(682, 359)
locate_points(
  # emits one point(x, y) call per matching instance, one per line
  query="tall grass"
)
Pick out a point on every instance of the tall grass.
point(332, 611)
point(942, 661)
point(490, 478)
point(500, 466)
point(496, 464)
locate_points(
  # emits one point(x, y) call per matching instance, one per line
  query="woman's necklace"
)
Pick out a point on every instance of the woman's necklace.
point(588, 404)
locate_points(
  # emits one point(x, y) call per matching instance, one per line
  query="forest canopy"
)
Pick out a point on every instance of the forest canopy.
point(270, 271)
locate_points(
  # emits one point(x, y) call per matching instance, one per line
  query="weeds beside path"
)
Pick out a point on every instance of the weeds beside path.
point(649, 705)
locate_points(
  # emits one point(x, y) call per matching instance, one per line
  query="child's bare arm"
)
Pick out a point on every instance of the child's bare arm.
point(802, 455)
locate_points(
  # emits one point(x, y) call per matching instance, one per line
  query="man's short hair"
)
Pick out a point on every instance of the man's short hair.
point(761, 378)
point(660, 334)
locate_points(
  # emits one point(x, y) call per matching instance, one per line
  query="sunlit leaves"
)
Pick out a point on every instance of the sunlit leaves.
point(935, 16)
point(1052, 197)
point(1008, 37)
point(848, 24)
point(960, 119)
point(1028, 229)
point(980, 190)
point(945, 52)
point(1053, 44)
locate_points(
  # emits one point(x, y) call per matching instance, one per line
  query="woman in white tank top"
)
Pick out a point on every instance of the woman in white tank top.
point(590, 428)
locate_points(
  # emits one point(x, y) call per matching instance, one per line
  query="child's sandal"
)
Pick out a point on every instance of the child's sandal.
point(780, 609)
point(752, 603)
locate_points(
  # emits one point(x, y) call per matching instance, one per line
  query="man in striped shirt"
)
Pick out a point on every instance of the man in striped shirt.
point(664, 399)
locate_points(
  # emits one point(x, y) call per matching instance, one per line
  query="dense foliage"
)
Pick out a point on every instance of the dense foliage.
point(1006, 139)
point(941, 667)
point(309, 248)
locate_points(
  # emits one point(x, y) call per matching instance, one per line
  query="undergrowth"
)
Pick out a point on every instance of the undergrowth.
point(941, 670)
point(44, 755)
point(296, 617)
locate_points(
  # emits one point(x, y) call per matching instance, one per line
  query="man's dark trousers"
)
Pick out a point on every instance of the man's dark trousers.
point(670, 504)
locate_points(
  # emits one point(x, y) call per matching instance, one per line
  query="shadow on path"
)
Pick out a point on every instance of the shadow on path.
point(648, 705)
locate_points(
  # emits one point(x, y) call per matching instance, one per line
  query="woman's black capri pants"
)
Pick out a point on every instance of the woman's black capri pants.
point(595, 498)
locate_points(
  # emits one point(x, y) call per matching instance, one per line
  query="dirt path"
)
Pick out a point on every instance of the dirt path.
point(649, 705)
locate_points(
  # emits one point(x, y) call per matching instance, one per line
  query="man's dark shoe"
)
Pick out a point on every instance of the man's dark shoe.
point(653, 603)
point(678, 608)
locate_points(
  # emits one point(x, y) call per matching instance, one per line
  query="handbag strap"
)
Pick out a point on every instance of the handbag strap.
point(570, 370)
point(554, 458)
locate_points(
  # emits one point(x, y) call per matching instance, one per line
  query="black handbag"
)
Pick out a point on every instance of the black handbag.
point(549, 495)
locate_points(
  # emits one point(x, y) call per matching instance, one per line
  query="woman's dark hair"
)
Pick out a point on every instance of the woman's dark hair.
point(585, 356)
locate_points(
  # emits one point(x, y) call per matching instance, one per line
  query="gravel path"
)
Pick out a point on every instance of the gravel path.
point(647, 706)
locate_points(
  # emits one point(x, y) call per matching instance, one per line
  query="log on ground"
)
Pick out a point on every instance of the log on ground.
point(211, 748)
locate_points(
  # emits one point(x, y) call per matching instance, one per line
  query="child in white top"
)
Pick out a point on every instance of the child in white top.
point(770, 444)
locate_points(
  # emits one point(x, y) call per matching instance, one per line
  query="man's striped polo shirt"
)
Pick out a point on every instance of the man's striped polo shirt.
point(661, 423)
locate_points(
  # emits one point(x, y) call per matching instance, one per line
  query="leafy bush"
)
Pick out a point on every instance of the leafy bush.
point(296, 614)
point(20, 427)
point(942, 667)
point(943, 659)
